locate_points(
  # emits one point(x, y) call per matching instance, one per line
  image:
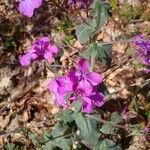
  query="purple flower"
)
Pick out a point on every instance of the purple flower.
point(26, 7)
point(87, 80)
point(40, 49)
point(143, 50)
point(80, 83)
point(89, 102)
point(60, 87)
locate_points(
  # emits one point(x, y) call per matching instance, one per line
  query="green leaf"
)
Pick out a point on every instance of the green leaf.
point(88, 128)
point(105, 53)
point(59, 129)
point(101, 51)
point(84, 32)
point(65, 116)
point(107, 129)
point(57, 138)
point(64, 144)
point(116, 118)
point(107, 145)
point(100, 13)
point(77, 105)
point(87, 30)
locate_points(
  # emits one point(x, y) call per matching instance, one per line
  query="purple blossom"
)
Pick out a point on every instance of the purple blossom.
point(89, 102)
point(87, 80)
point(143, 50)
point(26, 7)
point(60, 87)
point(80, 83)
point(40, 49)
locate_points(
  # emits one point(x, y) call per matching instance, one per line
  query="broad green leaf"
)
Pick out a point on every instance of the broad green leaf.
point(116, 118)
point(100, 13)
point(91, 52)
point(101, 51)
point(49, 146)
point(57, 138)
point(107, 129)
point(64, 144)
point(84, 32)
point(77, 105)
point(65, 116)
point(88, 128)
point(59, 129)
point(87, 30)
point(107, 145)
point(105, 53)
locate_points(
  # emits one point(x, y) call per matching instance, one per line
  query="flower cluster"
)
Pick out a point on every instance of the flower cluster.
point(27, 7)
point(80, 3)
point(81, 84)
point(143, 49)
point(41, 49)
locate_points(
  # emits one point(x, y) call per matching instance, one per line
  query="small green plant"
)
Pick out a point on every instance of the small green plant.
point(128, 13)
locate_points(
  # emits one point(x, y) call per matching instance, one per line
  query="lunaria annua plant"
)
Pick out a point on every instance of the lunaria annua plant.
point(81, 84)
point(41, 49)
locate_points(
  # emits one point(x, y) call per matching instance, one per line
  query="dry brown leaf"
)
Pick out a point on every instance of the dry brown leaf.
point(138, 143)
point(4, 121)
point(24, 117)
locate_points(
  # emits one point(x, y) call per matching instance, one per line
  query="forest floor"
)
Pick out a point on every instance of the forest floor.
point(25, 102)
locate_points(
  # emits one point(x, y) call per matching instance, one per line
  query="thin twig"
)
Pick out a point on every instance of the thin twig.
point(21, 90)
point(127, 61)
point(127, 86)
point(66, 12)
point(59, 136)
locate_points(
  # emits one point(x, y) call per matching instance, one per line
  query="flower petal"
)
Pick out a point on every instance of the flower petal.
point(53, 48)
point(85, 87)
point(73, 78)
point(48, 56)
point(98, 99)
point(53, 86)
point(60, 100)
point(87, 105)
point(36, 3)
point(65, 85)
point(83, 65)
point(25, 59)
point(44, 39)
point(94, 78)
point(26, 7)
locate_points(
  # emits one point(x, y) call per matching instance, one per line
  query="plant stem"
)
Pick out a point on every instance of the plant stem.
point(68, 135)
